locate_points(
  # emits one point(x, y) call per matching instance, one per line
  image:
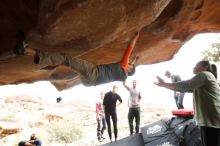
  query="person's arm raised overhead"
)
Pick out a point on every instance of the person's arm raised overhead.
point(134, 40)
point(126, 56)
point(125, 85)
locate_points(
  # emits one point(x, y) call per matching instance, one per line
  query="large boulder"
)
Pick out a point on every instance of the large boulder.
point(98, 31)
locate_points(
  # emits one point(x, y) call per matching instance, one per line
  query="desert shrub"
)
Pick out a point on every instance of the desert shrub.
point(9, 118)
point(8, 99)
point(64, 132)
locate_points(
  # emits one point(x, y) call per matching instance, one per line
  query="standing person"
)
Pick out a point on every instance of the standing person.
point(206, 100)
point(100, 116)
point(90, 74)
point(109, 103)
point(178, 96)
point(134, 107)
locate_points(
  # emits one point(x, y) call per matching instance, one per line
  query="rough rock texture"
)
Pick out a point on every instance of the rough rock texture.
point(98, 31)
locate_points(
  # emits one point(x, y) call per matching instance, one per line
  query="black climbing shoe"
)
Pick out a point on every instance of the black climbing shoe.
point(21, 44)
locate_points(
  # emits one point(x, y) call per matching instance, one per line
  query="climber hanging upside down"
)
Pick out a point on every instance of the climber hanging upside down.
point(90, 74)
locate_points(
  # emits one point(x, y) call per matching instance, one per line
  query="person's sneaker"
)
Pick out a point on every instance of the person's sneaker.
point(21, 44)
point(20, 35)
point(99, 139)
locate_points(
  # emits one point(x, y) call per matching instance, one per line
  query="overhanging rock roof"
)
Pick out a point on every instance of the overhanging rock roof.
point(97, 31)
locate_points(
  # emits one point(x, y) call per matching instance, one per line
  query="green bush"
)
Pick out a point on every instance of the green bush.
point(9, 118)
point(64, 132)
point(8, 100)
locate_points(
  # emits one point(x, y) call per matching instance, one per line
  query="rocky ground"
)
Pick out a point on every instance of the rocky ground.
point(20, 116)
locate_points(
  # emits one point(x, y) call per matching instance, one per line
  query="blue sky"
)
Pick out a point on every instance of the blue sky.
point(182, 64)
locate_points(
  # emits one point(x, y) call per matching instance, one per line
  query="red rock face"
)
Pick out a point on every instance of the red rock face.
point(98, 31)
point(5, 132)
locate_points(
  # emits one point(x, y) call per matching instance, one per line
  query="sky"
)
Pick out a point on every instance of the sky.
point(182, 64)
